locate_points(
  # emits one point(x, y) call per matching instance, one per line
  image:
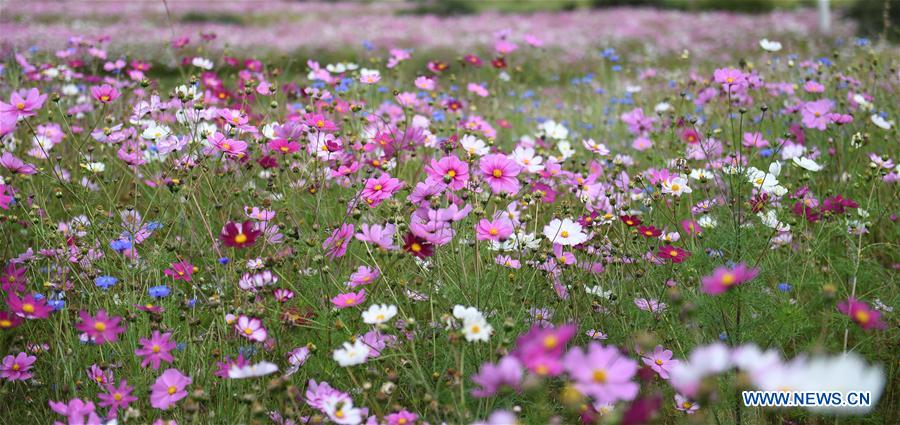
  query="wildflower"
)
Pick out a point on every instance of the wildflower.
point(378, 314)
point(335, 246)
point(231, 147)
point(239, 235)
point(403, 417)
point(77, 411)
point(860, 312)
point(673, 254)
point(181, 270)
point(540, 349)
point(13, 278)
point(105, 93)
point(417, 246)
point(16, 368)
point(100, 328)
point(29, 306)
point(156, 349)
point(649, 231)
point(16, 165)
point(222, 368)
point(168, 389)
point(725, 278)
point(117, 397)
point(252, 371)
point(807, 164)
point(380, 235)
point(494, 230)
point(630, 220)
point(352, 354)
point(683, 404)
point(492, 377)
point(23, 104)
point(816, 114)
point(8, 320)
point(251, 328)
point(105, 282)
point(602, 373)
point(159, 291)
point(349, 299)
point(448, 170)
point(500, 172)
point(507, 261)
point(660, 361)
point(769, 46)
point(565, 232)
point(477, 329)
point(364, 275)
point(283, 295)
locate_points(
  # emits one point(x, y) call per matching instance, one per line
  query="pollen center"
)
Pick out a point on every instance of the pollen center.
point(599, 376)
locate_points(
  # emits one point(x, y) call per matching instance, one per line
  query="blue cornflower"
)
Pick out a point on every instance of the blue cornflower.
point(159, 291)
point(105, 282)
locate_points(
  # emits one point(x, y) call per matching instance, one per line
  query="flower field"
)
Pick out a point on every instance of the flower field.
point(304, 213)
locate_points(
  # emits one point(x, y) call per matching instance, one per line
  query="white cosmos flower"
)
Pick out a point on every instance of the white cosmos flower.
point(202, 63)
point(769, 45)
point(701, 174)
point(352, 354)
point(340, 410)
point(378, 314)
point(554, 130)
point(527, 159)
point(466, 313)
point(676, 186)
point(369, 76)
point(598, 291)
point(477, 329)
point(770, 219)
point(94, 167)
point(844, 373)
point(597, 148)
point(807, 164)
point(156, 131)
point(881, 122)
point(707, 222)
point(474, 146)
point(633, 89)
point(565, 232)
point(262, 368)
point(767, 181)
point(662, 107)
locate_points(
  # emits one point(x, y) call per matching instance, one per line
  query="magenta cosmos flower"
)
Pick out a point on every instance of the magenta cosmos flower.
point(181, 270)
point(660, 361)
point(239, 235)
point(100, 328)
point(336, 244)
point(541, 348)
point(105, 93)
point(380, 235)
point(492, 377)
point(673, 254)
point(379, 188)
point(861, 313)
point(500, 172)
point(251, 328)
point(817, 114)
point(156, 349)
point(16, 165)
point(17, 368)
point(449, 170)
point(602, 373)
point(725, 278)
point(493, 230)
point(28, 306)
point(349, 299)
point(168, 389)
point(117, 397)
point(23, 103)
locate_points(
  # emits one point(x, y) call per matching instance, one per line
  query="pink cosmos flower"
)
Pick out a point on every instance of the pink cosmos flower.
point(16, 368)
point(500, 172)
point(168, 389)
point(231, 147)
point(817, 114)
point(23, 103)
point(284, 147)
point(105, 93)
point(449, 170)
point(156, 349)
point(602, 373)
point(492, 377)
point(685, 405)
point(542, 347)
point(860, 312)
point(364, 275)
point(563, 257)
point(349, 299)
point(9, 320)
point(379, 189)
point(673, 254)
point(660, 361)
point(100, 328)
point(336, 244)
point(28, 306)
point(507, 261)
point(731, 79)
point(380, 235)
point(251, 328)
point(725, 278)
point(222, 368)
point(754, 140)
point(76, 411)
point(403, 417)
point(117, 397)
point(493, 230)
point(16, 165)
point(181, 270)
point(5, 200)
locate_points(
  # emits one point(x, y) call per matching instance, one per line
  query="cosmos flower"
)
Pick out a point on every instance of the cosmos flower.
point(417, 246)
point(251, 328)
point(500, 173)
point(492, 377)
point(660, 361)
point(448, 170)
point(602, 373)
point(673, 254)
point(105, 93)
point(725, 278)
point(156, 349)
point(378, 314)
point(181, 270)
point(335, 246)
point(351, 354)
point(17, 368)
point(262, 368)
point(168, 389)
point(23, 104)
point(860, 312)
point(349, 299)
point(117, 397)
point(239, 235)
point(100, 328)
point(493, 230)
point(565, 232)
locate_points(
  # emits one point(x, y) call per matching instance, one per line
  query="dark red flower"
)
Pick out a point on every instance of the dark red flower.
point(649, 231)
point(630, 220)
point(673, 254)
point(417, 246)
point(239, 236)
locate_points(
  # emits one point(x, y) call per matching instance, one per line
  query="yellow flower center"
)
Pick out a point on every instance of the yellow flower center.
point(687, 405)
point(15, 366)
point(728, 279)
point(599, 376)
point(451, 173)
point(172, 390)
point(156, 348)
point(240, 238)
point(339, 414)
point(564, 234)
point(378, 187)
point(248, 331)
point(729, 80)
point(117, 397)
point(862, 316)
point(349, 301)
point(20, 106)
point(550, 341)
point(104, 98)
point(28, 307)
point(673, 253)
point(493, 231)
point(320, 123)
point(5, 323)
point(497, 173)
point(475, 329)
point(100, 326)
point(285, 149)
point(659, 362)
point(541, 370)
point(676, 187)
point(415, 247)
